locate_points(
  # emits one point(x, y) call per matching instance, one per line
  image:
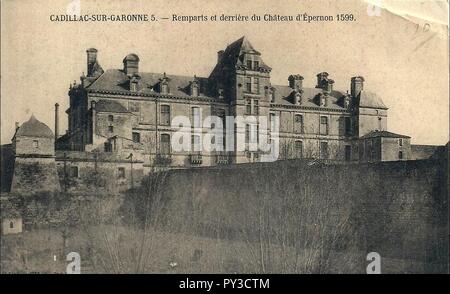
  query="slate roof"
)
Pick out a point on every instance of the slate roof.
point(110, 106)
point(371, 100)
point(232, 56)
point(309, 97)
point(384, 134)
point(34, 128)
point(115, 80)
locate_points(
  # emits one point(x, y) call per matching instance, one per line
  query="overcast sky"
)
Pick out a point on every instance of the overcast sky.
point(402, 62)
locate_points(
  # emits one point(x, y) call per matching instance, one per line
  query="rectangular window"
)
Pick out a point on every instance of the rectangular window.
point(255, 65)
point(165, 144)
point(400, 155)
point(348, 153)
point(221, 114)
point(248, 106)
point(247, 133)
point(73, 172)
point(361, 151)
point(256, 107)
point(108, 147)
point(35, 144)
point(136, 137)
point(249, 64)
point(196, 117)
point(299, 149)
point(195, 143)
point(348, 126)
point(111, 129)
point(165, 115)
point(255, 85)
point(272, 121)
point(298, 123)
point(110, 118)
point(369, 150)
point(400, 142)
point(248, 84)
point(324, 150)
point(257, 134)
point(324, 125)
point(121, 173)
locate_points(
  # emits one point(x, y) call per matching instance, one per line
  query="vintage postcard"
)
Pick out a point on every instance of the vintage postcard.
point(224, 137)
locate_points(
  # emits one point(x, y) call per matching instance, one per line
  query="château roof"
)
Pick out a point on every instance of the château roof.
point(370, 100)
point(231, 57)
point(34, 128)
point(283, 96)
point(115, 80)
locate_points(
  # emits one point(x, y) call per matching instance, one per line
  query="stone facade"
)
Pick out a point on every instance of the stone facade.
point(121, 123)
point(384, 146)
point(34, 169)
point(138, 107)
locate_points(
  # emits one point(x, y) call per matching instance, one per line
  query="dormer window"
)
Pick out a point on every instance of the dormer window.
point(255, 65)
point(249, 64)
point(164, 85)
point(164, 88)
point(347, 101)
point(134, 82)
point(133, 86)
point(297, 98)
point(194, 87)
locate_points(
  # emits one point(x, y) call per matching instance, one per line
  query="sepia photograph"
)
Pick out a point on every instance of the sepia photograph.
point(224, 137)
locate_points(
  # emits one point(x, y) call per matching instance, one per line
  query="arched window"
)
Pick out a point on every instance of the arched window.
point(11, 225)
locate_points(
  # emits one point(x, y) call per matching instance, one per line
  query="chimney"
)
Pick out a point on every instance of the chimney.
point(322, 79)
point(131, 64)
point(296, 82)
point(357, 85)
point(91, 60)
point(329, 85)
point(56, 121)
point(220, 55)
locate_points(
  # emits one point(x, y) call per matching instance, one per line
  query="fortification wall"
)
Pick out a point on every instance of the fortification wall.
point(398, 209)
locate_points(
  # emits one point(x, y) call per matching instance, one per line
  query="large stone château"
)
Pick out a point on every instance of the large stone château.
point(120, 119)
point(128, 109)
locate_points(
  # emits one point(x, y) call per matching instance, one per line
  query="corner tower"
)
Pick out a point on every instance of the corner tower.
point(34, 164)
